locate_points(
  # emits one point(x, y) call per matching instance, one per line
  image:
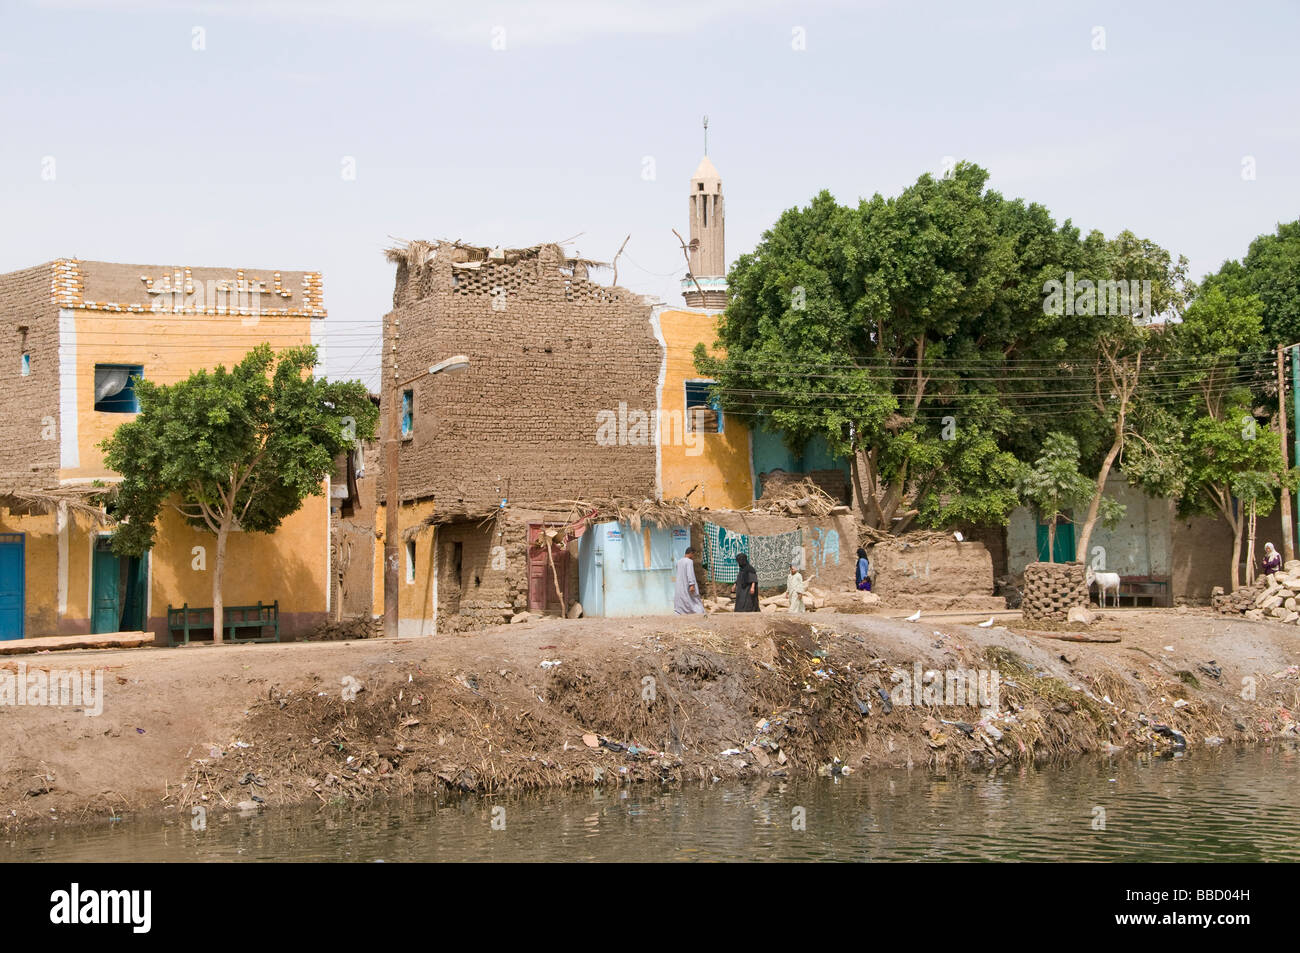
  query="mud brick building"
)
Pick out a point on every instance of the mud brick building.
point(484, 452)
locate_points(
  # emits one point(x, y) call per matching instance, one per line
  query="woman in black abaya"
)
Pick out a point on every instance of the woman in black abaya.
point(746, 585)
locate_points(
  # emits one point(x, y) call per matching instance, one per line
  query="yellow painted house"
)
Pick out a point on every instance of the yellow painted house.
point(702, 450)
point(77, 332)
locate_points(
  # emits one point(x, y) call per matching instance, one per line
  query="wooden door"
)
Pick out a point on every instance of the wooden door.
point(542, 578)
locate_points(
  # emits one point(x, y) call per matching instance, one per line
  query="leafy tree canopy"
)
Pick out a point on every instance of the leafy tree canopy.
point(233, 449)
point(1270, 271)
point(912, 334)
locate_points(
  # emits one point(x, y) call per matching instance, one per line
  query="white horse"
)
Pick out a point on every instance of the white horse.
point(1104, 581)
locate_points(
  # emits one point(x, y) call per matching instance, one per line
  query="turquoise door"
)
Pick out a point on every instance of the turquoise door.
point(12, 578)
point(106, 589)
point(1063, 551)
point(134, 599)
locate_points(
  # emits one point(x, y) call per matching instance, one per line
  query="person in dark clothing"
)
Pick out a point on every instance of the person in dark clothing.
point(861, 576)
point(746, 585)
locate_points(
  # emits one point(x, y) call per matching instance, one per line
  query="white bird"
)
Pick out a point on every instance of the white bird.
point(988, 624)
point(914, 616)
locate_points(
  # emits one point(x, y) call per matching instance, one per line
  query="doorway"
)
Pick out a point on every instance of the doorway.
point(119, 590)
point(542, 578)
point(13, 577)
point(1063, 550)
point(451, 576)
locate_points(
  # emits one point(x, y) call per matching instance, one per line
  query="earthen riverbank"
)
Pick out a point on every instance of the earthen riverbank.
point(657, 700)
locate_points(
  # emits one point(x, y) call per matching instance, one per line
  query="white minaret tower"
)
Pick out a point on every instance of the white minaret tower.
point(706, 285)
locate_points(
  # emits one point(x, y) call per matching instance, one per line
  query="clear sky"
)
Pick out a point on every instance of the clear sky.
point(209, 133)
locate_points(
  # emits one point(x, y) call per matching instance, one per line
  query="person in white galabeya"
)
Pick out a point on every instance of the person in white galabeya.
point(686, 596)
point(795, 587)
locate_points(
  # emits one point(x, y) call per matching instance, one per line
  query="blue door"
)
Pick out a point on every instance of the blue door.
point(1063, 551)
point(12, 579)
point(106, 589)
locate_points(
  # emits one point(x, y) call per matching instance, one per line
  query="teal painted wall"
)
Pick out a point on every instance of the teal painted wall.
point(771, 453)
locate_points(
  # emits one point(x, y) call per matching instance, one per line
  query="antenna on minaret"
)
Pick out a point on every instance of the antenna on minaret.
point(706, 135)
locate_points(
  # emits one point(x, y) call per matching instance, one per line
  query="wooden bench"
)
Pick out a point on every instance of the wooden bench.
point(235, 622)
point(1144, 587)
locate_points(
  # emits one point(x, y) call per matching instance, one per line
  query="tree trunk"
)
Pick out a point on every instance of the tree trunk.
point(860, 490)
point(217, 572)
point(869, 479)
point(1236, 552)
point(893, 499)
point(1250, 546)
point(1051, 540)
point(1094, 505)
point(548, 542)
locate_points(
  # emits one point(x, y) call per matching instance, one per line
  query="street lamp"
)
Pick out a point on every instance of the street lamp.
point(392, 505)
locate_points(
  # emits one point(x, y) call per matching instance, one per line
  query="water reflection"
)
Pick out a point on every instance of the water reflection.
point(1217, 805)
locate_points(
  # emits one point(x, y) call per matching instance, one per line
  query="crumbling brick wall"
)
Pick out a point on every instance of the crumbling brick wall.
point(482, 592)
point(1053, 589)
point(492, 582)
point(352, 544)
point(352, 563)
point(549, 350)
point(931, 565)
point(29, 453)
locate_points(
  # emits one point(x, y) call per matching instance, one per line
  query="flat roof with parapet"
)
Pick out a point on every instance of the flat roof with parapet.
point(111, 287)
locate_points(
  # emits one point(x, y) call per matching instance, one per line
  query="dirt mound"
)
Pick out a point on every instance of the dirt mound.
point(667, 713)
point(783, 698)
point(582, 702)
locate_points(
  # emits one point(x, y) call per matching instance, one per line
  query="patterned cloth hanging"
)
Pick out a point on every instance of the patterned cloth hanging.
point(770, 555)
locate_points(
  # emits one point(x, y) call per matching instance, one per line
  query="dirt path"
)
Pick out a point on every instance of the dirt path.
point(660, 698)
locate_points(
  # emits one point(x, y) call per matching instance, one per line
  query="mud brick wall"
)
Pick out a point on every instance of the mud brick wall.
point(493, 583)
point(1053, 589)
point(29, 452)
point(933, 567)
point(548, 351)
point(480, 595)
point(352, 564)
point(994, 538)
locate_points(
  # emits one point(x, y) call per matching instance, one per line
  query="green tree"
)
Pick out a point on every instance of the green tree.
point(1053, 485)
point(1254, 491)
point(1114, 347)
point(1221, 453)
point(1271, 272)
point(1224, 446)
point(888, 330)
point(232, 450)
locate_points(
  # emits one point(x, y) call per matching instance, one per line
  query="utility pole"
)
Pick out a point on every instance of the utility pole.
point(392, 505)
point(1295, 397)
point(1288, 540)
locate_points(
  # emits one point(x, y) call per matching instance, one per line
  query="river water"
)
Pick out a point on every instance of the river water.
point(1231, 804)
